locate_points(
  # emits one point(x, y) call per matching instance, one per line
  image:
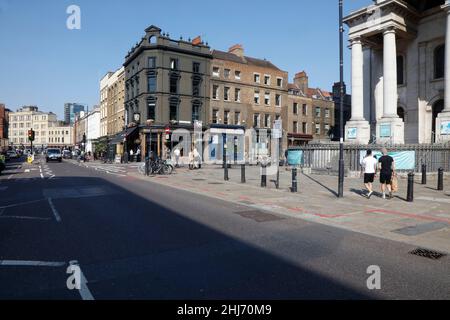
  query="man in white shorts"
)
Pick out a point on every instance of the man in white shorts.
point(369, 167)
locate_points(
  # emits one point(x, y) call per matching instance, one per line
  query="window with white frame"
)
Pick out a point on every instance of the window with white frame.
point(327, 113)
point(317, 128)
point(256, 97)
point(226, 94)
point(267, 98)
point(237, 75)
point(280, 82)
point(278, 100)
point(237, 95)
point(215, 94)
point(216, 72)
point(267, 80)
point(317, 112)
point(256, 77)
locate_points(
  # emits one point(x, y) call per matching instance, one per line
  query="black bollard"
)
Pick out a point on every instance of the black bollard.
point(225, 171)
point(410, 194)
point(440, 179)
point(424, 174)
point(243, 173)
point(294, 180)
point(263, 176)
point(147, 166)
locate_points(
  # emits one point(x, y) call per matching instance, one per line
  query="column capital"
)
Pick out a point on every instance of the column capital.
point(389, 30)
point(446, 6)
point(355, 40)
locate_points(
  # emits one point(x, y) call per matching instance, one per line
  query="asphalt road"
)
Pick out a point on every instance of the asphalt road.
point(133, 239)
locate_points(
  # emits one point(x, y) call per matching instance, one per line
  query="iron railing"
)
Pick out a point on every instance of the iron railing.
point(325, 157)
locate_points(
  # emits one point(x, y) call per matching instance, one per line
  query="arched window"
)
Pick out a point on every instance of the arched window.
point(400, 70)
point(152, 40)
point(401, 113)
point(439, 62)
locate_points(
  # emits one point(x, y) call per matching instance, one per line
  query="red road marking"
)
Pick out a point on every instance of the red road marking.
point(409, 215)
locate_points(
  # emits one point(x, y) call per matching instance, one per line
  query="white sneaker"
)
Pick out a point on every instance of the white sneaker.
point(369, 195)
point(384, 195)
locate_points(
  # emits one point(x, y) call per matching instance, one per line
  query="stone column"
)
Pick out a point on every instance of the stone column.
point(443, 119)
point(390, 74)
point(357, 80)
point(390, 128)
point(446, 7)
point(357, 130)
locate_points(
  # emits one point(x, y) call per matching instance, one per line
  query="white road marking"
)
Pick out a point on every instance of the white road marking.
point(51, 177)
point(55, 212)
point(31, 263)
point(27, 171)
point(24, 218)
point(85, 293)
point(21, 204)
point(42, 176)
point(9, 178)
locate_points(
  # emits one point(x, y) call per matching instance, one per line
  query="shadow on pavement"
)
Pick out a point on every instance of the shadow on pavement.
point(321, 184)
point(132, 248)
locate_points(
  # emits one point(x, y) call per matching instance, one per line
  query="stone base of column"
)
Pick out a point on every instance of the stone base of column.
point(390, 131)
point(443, 127)
point(357, 132)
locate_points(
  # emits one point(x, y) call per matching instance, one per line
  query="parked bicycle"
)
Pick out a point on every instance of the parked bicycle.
point(162, 167)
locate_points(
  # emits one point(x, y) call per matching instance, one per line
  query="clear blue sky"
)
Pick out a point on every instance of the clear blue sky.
point(43, 63)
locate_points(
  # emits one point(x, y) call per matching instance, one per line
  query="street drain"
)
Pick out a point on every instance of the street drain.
point(258, 216)
point(198, 179)
point(215, 183)
point(425, 253)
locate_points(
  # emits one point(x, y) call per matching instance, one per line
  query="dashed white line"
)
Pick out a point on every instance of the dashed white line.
point(31, 263)
point(55, 212)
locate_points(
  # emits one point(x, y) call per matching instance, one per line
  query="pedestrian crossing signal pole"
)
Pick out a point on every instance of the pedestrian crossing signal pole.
point(341, 111)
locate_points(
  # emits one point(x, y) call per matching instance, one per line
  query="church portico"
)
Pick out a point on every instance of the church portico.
point(398, 57)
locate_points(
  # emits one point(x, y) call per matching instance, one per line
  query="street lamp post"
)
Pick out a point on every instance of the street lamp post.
point(341, 110)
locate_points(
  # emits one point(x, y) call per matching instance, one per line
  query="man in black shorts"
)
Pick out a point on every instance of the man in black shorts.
point(387, 170)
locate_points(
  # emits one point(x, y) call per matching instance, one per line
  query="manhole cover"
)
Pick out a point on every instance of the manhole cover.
point(430, 254)
point(258, 216)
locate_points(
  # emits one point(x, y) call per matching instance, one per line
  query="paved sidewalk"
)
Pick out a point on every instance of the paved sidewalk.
point(424, 223)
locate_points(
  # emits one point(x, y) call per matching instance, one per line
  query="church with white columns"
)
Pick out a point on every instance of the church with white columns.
point(400, 72)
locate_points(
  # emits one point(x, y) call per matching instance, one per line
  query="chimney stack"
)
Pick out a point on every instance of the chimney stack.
point(197, 41)
point(237, 50)
point(301, 80)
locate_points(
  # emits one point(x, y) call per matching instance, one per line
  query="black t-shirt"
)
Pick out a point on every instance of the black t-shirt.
point(386, 164)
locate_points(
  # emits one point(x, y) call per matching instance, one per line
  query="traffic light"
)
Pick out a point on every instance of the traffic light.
point(31, 135)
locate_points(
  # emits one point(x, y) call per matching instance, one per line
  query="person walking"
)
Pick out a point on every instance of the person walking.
point(177, 153)
point(369, 167)
point(387, 170)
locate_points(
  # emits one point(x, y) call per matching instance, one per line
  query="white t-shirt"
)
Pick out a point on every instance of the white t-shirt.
point(369, 164)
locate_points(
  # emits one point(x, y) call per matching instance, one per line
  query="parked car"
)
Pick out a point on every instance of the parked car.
point(54, 154)
point(67, 154)
point(12, 154)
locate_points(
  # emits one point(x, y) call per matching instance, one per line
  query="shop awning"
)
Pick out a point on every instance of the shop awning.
point(119, 138)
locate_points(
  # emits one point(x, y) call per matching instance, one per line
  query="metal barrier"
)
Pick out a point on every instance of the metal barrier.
point(325, 157)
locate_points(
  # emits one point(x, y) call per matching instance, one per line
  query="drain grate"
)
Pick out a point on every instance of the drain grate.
point(258, 216)
point(216, 183)
point(198, 179)
point(430, 254)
